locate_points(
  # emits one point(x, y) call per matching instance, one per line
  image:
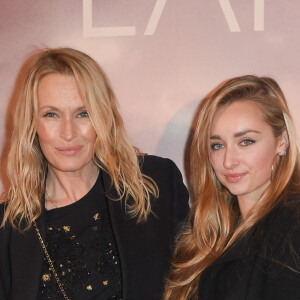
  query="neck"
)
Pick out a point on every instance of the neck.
point(64, 188)
point(245, 206)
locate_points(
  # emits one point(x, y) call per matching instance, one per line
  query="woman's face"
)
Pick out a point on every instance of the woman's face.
point(65, 132)
point(243, 149)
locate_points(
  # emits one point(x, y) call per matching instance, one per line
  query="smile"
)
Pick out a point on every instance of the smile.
point(235, 177)
point(69, 151)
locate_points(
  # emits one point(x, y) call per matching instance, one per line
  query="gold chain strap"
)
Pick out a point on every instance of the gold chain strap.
point(50, 261)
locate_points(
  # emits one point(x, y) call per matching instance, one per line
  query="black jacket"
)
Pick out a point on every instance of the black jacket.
point(145, 249)
point(262, 265)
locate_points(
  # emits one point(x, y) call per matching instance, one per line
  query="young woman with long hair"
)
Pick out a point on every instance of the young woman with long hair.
point(243, 237)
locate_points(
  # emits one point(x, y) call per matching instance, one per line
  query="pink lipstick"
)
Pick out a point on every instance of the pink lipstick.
point(235, 177)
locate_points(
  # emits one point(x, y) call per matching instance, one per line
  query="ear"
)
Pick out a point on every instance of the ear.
point(283, 143)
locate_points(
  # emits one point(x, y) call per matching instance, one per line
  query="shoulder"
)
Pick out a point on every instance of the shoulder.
point(291, 204)
point(289, 217)
point(5, 252)
point(169, 180)
point(2, 211)
point(284, 247)
point(287, 212)
point(283, 227)
point(163, 171)
point(155, 165)
point(5, 230)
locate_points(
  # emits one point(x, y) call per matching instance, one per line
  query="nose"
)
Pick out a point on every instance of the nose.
point(68, 129)
point(231, 159)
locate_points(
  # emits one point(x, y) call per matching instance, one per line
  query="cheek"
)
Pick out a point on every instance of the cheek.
point(263, 157)
point(89, 134)
point(48, 138)
point(44, 135)
point(261, 164)
point(216, 161)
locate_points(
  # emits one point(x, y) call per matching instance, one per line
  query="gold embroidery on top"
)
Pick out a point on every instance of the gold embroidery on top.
point(46, 277)
point(96, 216)
point(67, 228)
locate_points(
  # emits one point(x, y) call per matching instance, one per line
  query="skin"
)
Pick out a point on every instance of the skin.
point(243, 150)
point(66, 137)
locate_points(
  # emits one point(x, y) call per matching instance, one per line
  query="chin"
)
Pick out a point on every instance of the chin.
point(237, 191)
point(70, 167)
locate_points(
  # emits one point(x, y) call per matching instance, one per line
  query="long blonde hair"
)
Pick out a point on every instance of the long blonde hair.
point(215, 221)
point(113, 151)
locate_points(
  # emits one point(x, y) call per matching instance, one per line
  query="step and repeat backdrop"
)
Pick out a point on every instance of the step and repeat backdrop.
point(162, 56)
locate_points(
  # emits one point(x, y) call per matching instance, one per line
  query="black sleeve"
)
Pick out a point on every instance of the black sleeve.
point(4, 258)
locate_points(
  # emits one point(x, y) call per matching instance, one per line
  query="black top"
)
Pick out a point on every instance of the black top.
point(264, 264)
point(80, 241)
point(145, 248)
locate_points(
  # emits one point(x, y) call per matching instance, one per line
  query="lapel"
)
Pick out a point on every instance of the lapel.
point(26, 256)
point(116, 216)
point(141, 250)
point(108, 187)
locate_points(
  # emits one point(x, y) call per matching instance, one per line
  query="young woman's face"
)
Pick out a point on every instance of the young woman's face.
point(65, 132)
point(243, 149)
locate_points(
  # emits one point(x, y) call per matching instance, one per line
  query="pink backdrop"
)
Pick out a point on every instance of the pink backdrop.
point(162, 56)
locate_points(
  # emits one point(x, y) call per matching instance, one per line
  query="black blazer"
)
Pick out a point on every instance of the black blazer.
point(263, 265)
point(145, 249)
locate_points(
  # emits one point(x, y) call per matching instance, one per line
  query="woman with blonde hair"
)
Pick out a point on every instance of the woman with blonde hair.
point(87, 216)
point(243, 238)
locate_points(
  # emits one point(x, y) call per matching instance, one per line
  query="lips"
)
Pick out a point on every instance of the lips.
point(69, 151)
point(235, 177)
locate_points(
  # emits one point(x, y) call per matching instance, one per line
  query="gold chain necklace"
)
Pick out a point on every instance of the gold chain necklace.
point(50, 262)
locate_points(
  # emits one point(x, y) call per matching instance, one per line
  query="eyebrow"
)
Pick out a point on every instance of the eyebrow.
point(238, 134)
point(48, 107)
point(56, 108)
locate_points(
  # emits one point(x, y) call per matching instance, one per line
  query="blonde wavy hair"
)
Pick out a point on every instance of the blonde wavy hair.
point(215, 221)
point(113, 152)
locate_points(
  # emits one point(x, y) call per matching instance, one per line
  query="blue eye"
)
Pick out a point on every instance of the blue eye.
point(216, 146)
point(247, 142)
point(83, 114)
point(50, 114)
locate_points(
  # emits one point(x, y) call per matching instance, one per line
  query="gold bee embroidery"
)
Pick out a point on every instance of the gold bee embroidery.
point(105, 282)
point(89, 287)
point(46, 277)
point(67, 228)
point(96, 216)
